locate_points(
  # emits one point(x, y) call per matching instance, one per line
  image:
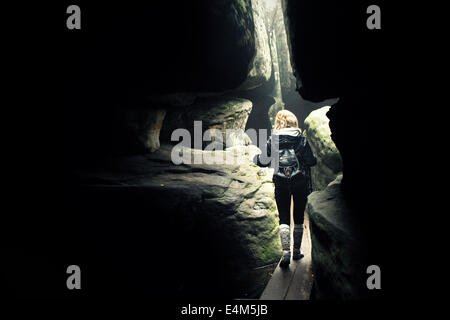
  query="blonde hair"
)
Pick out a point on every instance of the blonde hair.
point(285, 119)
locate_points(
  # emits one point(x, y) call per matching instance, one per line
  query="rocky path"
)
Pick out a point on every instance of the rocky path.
point(294, 283)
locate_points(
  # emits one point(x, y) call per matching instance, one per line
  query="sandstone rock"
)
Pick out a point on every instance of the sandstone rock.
point(221, 215)
point(219, 112)
point(173, 99)
point(145, 126)
point(287, 78)
point(337, 249)
point(261, 68)
point(276, 92)
point(329, 163)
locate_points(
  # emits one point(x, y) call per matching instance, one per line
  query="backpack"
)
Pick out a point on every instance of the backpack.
point(288, 164)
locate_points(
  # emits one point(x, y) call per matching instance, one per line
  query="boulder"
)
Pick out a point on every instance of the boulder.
point(220, 216)
point(215, 112)
point(337, 247)
point(329, 162)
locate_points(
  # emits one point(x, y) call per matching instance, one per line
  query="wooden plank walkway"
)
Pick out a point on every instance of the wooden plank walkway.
point(295, 282)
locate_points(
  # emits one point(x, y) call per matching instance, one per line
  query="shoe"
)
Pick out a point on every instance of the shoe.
point(297, 254)
point(285, 259)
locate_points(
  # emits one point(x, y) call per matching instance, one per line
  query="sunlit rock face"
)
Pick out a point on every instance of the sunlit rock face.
point(261, 67)
point(337, 246)
point(198, 229)
point(329, 163)
point(287, 79)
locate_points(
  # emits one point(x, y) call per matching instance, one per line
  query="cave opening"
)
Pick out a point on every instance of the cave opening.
point(279, 91)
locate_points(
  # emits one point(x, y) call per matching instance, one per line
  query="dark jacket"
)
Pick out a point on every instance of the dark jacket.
point(294, 153)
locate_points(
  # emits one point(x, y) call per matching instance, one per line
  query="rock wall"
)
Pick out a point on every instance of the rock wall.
point(287, 78)
point(337, 246)
point(157, 57)
point(334, 55)
point(261, 67)
point(217, 111)
point(329, 163)
point(268, 92)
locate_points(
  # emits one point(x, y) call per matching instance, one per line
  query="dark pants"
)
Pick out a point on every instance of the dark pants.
point(297, 187)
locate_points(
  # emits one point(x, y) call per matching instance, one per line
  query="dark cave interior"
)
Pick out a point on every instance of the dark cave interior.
point(168, 55)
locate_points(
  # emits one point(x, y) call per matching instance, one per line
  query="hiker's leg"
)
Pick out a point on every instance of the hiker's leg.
point(299, 193)
point(283, 199)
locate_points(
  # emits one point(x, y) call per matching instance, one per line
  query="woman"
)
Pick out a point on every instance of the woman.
point(290, 179)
